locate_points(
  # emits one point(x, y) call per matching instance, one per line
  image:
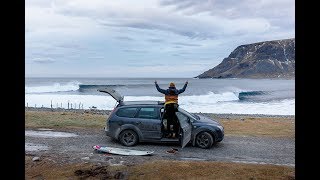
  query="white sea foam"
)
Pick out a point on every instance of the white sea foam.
point(210, 103)
point(57, 87)
point(282, 107)
point(87, 101)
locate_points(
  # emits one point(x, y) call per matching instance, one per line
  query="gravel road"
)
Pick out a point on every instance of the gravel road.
point(78, 148)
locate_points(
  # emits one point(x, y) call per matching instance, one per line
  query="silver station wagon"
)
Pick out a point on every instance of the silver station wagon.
point(132, 122)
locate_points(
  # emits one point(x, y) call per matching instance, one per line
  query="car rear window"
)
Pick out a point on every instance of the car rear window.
point(127, 112)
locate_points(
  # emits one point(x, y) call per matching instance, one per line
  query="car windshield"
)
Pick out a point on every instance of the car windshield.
point(190, 114)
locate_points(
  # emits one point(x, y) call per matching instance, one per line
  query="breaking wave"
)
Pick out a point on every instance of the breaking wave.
point(210, 103)
point(71, 86)
point(56, 87)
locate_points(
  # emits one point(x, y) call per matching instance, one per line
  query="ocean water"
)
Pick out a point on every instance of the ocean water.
point(237, 96)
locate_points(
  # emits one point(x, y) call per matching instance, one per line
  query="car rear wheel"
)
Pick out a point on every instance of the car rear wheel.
point(204, 140)
point(128, 138)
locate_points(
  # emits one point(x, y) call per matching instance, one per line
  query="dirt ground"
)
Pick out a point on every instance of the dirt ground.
point(241, 155)
point(47, 168)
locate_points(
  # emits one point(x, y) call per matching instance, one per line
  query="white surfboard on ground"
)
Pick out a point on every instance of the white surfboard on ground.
point(120, 151)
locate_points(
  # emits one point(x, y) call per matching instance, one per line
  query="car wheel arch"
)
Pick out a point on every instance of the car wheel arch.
point(129, 127)
point(128, 137)
point(212, 133)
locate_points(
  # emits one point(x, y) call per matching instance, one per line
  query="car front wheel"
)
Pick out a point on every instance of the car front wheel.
point(128, 138)
point(204, 140)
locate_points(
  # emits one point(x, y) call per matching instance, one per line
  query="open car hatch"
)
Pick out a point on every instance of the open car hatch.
point(112, 93)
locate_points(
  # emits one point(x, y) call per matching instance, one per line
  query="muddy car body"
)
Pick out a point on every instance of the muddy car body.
point(131, 122)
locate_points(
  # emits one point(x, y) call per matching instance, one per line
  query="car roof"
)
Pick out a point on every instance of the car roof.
point(135, 103)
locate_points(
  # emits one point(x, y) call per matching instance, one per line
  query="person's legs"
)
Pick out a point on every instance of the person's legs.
point(170, 113)
point(166, 116)
point(175, 121)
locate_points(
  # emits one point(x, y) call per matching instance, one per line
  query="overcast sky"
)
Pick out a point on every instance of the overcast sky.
point(146, 38)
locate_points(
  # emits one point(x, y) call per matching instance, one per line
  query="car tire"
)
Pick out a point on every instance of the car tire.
point(204, 140)
point(128, 137)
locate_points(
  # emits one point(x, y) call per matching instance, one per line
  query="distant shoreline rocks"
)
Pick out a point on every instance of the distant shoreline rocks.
point(269, 59)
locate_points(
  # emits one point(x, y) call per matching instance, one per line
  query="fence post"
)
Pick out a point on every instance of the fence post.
point(51, 104)
point(71, 105)
point(35, 105)
point(68, 104)
point(79, 105)
point(82, 106)
point(75, 105)
point(61, 105)
point(27, 105)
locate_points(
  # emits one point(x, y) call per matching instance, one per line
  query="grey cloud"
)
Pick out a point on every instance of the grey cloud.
point(186, 44)
point(170, 27)
point(193, 6)
point(46, 54)
point(69, 45)
point(38, 3)
point(205, 58)
point(144, 64)
point(124, 38)
point(144, 25)
point(181, 4)
point(96, 57)
point(182, 53)
point(43, 60)
point(228, 18)
point(272, 9)
point(135, 51)
point(155, 40)
point(180, 24)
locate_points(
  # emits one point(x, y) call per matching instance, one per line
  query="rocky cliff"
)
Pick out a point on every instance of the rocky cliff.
point(269, 59)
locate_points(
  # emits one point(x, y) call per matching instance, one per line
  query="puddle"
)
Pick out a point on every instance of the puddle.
point(49, 134)
point(35, 147)
point(45, 129)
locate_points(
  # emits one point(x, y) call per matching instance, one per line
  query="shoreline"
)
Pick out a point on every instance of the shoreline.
point(213, 115)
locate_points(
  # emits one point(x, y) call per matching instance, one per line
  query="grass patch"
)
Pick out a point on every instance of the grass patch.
point(158, 170)
point(45, 119)
point(250, 126)
point(208, 170)
point(275, 127)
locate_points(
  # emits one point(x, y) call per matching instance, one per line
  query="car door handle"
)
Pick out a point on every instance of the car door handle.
point(137, 123)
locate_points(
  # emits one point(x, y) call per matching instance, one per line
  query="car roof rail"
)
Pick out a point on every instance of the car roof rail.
point(142, 102)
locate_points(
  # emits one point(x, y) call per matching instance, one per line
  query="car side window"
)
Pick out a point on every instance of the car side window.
point(127, 112)
point(148, 113)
